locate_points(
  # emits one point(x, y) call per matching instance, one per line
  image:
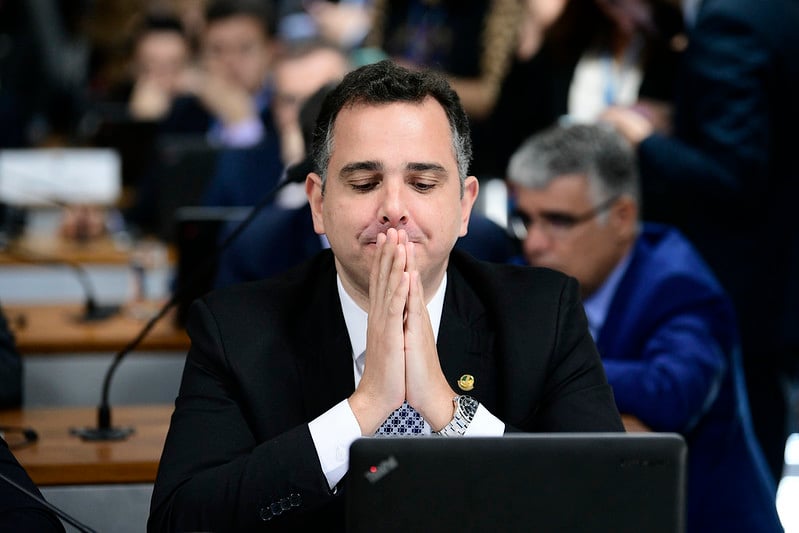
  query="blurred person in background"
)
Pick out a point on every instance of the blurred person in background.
point(728, 177)
point(664, 327)
point(231, 92)
point(469, 42)
point(243, 177)
point(160, 63)
point(44, 62)
point(299, 72)
point(579, 57)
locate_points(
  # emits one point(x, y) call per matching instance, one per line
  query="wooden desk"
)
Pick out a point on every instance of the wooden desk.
point(102, 250)
point(59, 458)
point(55, 329)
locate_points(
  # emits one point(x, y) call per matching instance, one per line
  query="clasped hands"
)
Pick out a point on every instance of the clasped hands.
point(401, 357)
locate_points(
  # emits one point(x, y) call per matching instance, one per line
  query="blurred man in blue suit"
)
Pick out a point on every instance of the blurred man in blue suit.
point(664, 327)
point(728, 177)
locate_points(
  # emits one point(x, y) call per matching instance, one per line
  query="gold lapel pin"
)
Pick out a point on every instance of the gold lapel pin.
point(466, 382)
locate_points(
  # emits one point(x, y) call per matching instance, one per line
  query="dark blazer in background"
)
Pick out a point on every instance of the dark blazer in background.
point(269, 357)
point(729, 179)
point(279, 238)
point(671, 353)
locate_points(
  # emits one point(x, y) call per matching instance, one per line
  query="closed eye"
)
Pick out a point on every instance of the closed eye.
point(364, 186)
point(422, 186)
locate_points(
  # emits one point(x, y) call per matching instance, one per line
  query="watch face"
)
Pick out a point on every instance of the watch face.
point(468, 406)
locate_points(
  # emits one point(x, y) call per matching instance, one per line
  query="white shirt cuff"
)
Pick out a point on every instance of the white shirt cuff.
point(484, 424)
point(333, 432)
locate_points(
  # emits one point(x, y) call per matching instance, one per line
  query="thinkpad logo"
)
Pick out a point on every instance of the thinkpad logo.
point(376, 473)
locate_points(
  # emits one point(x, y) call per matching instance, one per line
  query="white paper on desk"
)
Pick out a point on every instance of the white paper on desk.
point(47, 176)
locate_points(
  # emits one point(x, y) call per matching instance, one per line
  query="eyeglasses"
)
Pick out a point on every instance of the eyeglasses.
point(555, 224)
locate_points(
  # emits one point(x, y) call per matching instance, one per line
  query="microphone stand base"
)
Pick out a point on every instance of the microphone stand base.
point(101, 434)
point(100, 312)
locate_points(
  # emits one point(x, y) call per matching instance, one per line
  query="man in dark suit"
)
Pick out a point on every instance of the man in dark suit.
point(664, 327)
point(728, 177)
point(374, 336)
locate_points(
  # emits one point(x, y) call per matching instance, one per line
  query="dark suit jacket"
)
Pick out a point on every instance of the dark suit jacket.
point(670, 348)
point(729, 176)
point(269, 357)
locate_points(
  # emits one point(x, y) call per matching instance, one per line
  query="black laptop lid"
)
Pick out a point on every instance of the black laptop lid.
point(529, 482)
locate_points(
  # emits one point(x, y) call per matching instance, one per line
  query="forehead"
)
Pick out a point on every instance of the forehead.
point(161, 43)
point(238, 28)
point(403, 130)
point(308, 73)
point(564, 193)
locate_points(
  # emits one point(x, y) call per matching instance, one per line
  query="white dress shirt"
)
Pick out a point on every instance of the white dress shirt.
point(336, 429)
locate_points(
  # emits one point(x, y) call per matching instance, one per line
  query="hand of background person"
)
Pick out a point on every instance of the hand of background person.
point(227, 101)
point(632, 124)
point(340, 23)
point(149, 100)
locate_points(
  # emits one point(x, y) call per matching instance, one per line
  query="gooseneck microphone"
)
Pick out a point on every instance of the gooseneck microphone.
point(104, 429)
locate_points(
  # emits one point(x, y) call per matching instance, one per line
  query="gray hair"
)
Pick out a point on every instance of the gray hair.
point(595, 151)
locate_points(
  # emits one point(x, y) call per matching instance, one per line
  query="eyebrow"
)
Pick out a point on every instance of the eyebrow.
point(424, 167)
point(375, 166)
point(360, 166)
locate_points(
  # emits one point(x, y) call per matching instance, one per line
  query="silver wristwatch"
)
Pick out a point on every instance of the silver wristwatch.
point(465, 408)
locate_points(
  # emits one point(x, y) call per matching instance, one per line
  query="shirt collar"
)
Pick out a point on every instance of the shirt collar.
point(597, 305)
point(356, 319)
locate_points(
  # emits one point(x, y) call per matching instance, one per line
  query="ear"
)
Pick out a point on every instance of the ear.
point(313, 189)
point(625, 218)
point(471, 188)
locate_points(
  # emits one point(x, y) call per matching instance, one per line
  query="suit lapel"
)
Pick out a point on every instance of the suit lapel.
point(465, 342)
point(325, 358)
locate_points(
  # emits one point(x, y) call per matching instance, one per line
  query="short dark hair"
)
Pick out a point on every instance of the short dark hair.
point(384, 83)
point(155, 23)
point(260, 10)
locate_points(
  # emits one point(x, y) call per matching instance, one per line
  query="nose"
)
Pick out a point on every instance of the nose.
point(536, 243)
point(393, 211)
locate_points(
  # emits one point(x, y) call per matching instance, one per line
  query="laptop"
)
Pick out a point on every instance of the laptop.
point(565, 482)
